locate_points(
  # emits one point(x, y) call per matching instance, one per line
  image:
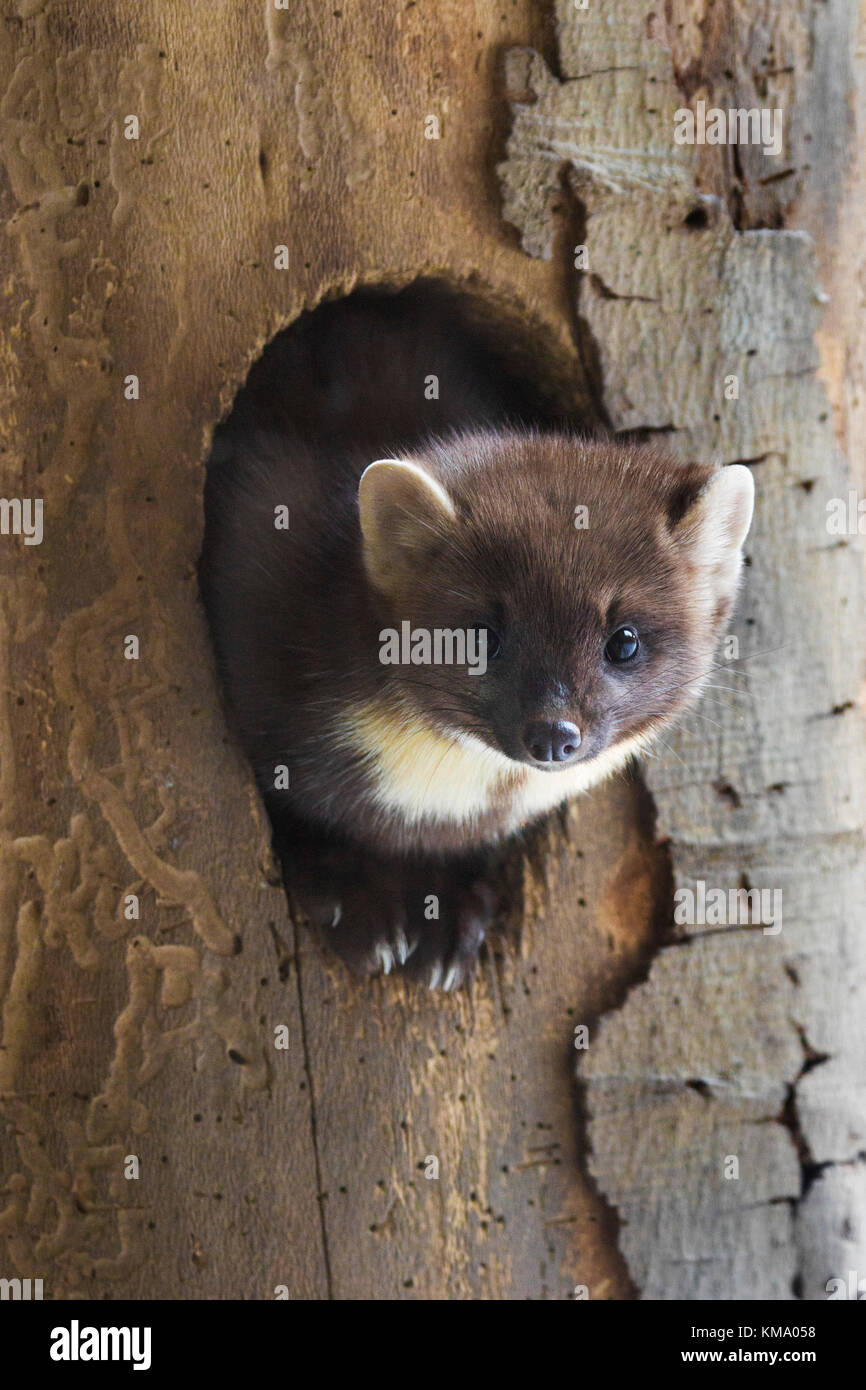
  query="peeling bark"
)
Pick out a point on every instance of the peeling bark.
point(740, 1044)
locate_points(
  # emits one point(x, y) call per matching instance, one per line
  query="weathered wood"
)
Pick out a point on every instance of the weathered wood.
point(740, 1043)
point(155, 257)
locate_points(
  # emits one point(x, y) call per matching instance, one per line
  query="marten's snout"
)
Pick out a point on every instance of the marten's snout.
point(556, 742)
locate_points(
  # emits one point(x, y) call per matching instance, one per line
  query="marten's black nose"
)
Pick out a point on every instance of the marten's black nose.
point(552, 743)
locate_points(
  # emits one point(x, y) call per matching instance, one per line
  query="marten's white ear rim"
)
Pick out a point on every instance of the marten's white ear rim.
point(397, 480)
point(733, 489)
point(716, 525)
point(403, 510)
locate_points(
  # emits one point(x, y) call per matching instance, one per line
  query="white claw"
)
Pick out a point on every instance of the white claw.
point(402, 946)
point(385, 956)
point(338, 912)
point(451, 978)
point(435, 976)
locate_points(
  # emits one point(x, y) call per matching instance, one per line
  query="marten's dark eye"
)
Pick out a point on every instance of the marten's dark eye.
point(494, 641)
point(622, 646)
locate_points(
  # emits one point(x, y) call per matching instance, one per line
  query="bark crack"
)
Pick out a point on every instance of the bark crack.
point(317, 1163)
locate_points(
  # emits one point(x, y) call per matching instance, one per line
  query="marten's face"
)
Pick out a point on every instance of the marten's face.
point(555, 600)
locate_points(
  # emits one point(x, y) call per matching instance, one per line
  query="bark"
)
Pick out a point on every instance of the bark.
point(741, 1044)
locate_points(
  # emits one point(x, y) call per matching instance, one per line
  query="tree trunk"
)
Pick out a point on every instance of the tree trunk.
point(148, 249)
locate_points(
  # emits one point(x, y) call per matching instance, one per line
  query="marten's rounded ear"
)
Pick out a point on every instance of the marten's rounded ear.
point(718, 520)
point(404, 513)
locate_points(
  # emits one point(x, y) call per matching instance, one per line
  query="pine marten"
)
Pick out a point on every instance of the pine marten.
point(439, 610)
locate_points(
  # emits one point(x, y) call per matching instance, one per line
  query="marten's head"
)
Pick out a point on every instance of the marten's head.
point(552, 599)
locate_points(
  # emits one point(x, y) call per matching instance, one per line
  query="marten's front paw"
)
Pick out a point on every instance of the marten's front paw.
point(450, 941)
point(388, 925)
point(370, 929)
point(379, 916)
